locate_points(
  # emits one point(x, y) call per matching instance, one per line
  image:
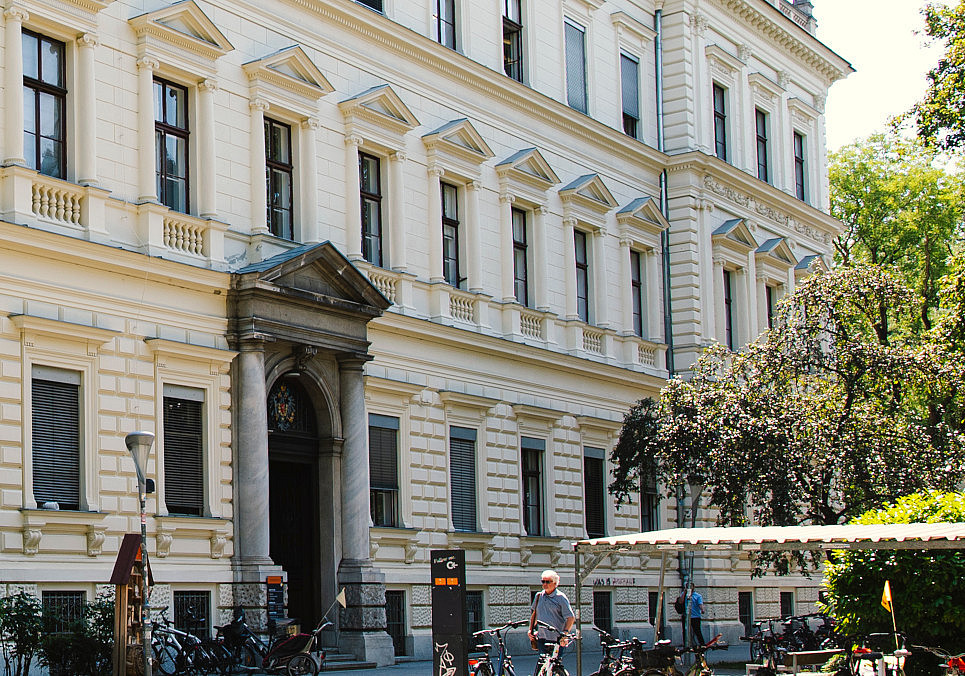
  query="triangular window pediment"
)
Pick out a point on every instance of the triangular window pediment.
point(590, 187)
point(291, 70)
point(376, 110)
point(530, 166)
point(182, 26)
point(642, 216)
point(461, 137)
point(735, 234)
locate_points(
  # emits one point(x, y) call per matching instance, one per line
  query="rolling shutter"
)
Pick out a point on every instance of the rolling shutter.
point(56, 437)
point(630, 86)
point(462, 477)
point(575, 66)
point(383, 452)
point(183, 454)
point(594, 493)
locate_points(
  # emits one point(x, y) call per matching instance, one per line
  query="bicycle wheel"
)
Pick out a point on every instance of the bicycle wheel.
point(508, 670)
point(484, 669)
point(165, 659)
point(560, 670)
point(302, 664)
point(757, 650)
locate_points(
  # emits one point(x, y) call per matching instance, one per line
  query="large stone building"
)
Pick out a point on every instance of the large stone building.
point(383, 276)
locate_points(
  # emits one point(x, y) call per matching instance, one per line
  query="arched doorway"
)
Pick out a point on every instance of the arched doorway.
point(293, 495)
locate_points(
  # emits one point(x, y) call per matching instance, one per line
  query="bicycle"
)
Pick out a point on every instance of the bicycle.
point(171, 646)
point(951, 665)
point(700, 667)
point(880, 662)
point(484, 665)
point(551, 664)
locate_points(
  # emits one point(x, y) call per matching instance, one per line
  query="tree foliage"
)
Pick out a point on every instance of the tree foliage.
point(940, 116)
point(825, 416)
point(927, 586)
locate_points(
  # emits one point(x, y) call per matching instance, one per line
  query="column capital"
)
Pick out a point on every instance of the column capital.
point(148, 63)
point(436, 171)
point(16, 13)
point(570, 222)
point(354, 140)
point(352, 361)
point(88, 40)
point(625, 241)
point(474, 184)
point(719, 260)
point(259, 104)
point(505, 197)
point(398, 156)
point(208, 85)
point(541, 209)
point(312, 123)
point(251, 345)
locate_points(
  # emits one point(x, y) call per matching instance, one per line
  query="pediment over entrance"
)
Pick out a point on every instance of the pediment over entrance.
point(310, 295)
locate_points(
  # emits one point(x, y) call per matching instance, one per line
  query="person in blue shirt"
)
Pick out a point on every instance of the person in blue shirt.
point(552, 607)
point(696, 612)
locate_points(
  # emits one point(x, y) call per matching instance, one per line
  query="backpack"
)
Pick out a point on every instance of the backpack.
point(680, 605)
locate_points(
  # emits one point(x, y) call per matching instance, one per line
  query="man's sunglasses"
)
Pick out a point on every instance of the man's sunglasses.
point(547, 581)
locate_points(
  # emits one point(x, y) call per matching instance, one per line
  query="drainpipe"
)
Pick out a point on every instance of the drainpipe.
point(664, 206)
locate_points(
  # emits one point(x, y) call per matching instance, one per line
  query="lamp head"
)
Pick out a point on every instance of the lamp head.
point(139, 444)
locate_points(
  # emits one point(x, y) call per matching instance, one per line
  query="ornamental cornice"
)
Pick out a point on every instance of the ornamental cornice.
point(830, 65)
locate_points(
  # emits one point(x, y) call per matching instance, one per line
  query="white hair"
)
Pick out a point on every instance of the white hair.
point(551, 574)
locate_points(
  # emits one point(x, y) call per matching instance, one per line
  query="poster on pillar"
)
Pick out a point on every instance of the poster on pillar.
point(450, 641)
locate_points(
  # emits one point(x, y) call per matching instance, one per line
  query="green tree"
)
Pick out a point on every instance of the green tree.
point(901, 209)
point(940, 116)
point(927, 586)
point(814, 423)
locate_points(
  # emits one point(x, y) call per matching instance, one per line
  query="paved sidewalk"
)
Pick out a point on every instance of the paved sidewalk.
point(524, 666)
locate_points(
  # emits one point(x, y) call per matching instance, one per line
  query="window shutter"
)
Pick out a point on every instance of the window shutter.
point(56, 442)
point(575, 67)
point(594, 496)
point(183, 451)
point(383, 458)
point(630, 86)
point(462, 473)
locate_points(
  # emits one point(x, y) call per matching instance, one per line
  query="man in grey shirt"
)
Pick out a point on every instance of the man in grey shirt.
point(552, 607)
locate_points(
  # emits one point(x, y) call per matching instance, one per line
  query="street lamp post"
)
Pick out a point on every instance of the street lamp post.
point(139, 444)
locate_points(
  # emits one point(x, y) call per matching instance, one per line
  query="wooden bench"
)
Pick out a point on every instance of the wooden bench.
point(808, 658)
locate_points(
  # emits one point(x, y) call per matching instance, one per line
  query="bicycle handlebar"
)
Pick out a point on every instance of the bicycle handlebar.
point(560, 634)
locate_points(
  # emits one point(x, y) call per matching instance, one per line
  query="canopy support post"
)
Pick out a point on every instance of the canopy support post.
point(579, 610)
point(658, 616)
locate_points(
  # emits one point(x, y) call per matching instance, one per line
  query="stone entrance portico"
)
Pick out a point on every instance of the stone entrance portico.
point(306, 312)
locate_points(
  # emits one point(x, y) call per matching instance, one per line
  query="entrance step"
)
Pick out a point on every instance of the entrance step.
point(337, 661)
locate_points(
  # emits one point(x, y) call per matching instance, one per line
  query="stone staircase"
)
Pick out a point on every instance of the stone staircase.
point(335, 660)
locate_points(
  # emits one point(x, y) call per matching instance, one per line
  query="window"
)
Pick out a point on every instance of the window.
point(575, 36)
point(279, 170)
point(450, 234)
point(532, 452)
point(513, 39)
point(745, 610)
point(395, 619)
point(520, 258)
point(720, 122)
point(384, 470)
point(603, 611)
point(462, 477)
point(44, 105)
point(171, 144)
point(582, 276)
point(594, 491)
point(191, 612)
point(799, 185)
point(769, 305)
point(630, 89)
point(474, 612)
point(55, 402)
point(370, 187)
point(373, 4)
point(649, 502)
point(636, 291)
point(787, 603)
point(444, 20)
point(62, 609)
point(183, 450)
point(760, 121)
point(653, 602)
point(728, 311)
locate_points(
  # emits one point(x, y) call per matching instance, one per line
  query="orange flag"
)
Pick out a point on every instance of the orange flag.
point(886, 597)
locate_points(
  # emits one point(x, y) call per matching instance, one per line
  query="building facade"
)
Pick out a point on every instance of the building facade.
point(383, 277)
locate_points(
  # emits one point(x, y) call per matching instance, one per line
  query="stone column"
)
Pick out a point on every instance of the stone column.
point(86, 110)
point(259, 188)
point(146, 152)
point(569, 268)
point(397, 239)
point(598, 288)
point(434, 222)
point(353, 200)
point(13, 85)
point(207, 177)
point(652, 289)
point(473, 238)
point(626, 287)
point(539, 247)
point(362, 623)
point(717, 287)
point(308, 185)
point(506, 246)
point(251, 481)
point(761, 302)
